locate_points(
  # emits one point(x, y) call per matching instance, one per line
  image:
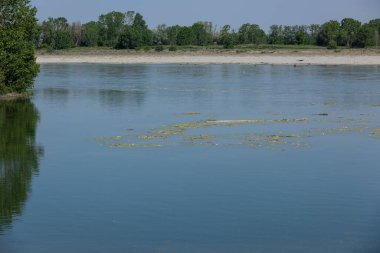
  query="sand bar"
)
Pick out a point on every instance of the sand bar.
point(215, 58)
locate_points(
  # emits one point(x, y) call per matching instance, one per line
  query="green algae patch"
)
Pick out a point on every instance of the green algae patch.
point(215, 123)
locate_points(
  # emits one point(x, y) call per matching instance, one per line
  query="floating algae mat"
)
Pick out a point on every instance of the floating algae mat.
point(212, 132)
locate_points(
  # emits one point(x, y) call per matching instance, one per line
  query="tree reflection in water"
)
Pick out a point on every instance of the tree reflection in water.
point(19, 156)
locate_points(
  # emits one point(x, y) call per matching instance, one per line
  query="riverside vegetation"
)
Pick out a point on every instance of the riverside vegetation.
point(18, 30)
point(129, 31)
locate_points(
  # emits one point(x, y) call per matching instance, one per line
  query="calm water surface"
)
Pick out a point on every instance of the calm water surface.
point(182, 158)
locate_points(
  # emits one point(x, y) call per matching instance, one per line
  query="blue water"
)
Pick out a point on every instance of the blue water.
point(85, 177)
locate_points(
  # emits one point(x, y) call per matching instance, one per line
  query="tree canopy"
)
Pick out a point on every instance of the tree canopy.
point(18, 36)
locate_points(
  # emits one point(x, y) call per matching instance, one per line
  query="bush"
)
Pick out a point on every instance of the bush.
point(332, 45)
point(18, 29)
point(147, 48)
point(172, 48)
point(159, 48)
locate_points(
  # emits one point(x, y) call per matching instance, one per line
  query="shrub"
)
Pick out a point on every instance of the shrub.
point(159, 48)
point(332, 45)
point(172, 48)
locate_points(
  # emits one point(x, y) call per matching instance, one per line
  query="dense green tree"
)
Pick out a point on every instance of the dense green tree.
point(185, 36)
point(172, 32)
point(140, 27)
point(18, 31)
point(314, 30)
point(276, 35)
point(202, 36)
point(251, 34)
point(129, 39)
point(368, 35)
point(227, 38)
point(348, 33)
point(19, 156)
point(56, 33)
point(111, 25)
point(90, 34)
point(329, 33)
point(135, 35)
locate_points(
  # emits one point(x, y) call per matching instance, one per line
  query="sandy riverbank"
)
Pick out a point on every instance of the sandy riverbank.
point(307, 57)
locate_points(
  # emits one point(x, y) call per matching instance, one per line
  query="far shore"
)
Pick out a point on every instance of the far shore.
point(347, 57)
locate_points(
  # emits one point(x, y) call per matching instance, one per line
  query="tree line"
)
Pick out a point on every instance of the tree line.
point(130, 31)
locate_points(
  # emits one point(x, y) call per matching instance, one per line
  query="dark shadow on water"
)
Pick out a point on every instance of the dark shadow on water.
point(122, 98)
point(19, 157)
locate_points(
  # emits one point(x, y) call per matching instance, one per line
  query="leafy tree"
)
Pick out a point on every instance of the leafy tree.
point(18, 30)
point(329, 33)
point(185, 36)
point(276, 35)
point(368, 35)
point(349, 30)
point(226, 37)
point(140, 27)
point(111, 25)
point(251, 34)
point(90, 34)
point(202, 36)
point(172, 32)
point(160, 35)
point(313, 31)
point(135, 35)
point(129, 39)
point(56, 33)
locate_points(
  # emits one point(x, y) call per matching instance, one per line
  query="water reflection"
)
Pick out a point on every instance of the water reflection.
point(19, 156)
point(120, 98)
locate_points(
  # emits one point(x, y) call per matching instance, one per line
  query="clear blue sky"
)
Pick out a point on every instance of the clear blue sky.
point(220, 12)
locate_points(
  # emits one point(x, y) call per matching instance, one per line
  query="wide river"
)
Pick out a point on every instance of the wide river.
point(192, 158)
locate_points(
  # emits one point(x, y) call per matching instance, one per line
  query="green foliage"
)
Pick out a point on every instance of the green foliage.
point(159, 48)
point(172, 33)
point(369, 34)
point(129, 39)
point(130, 31)
point(185, 36)
point(18, 30)
point(111, 25)
point(329, 33)
point(56, 33)
point(160, 35)
point(348, 33)
point(276, 35)
point(332, 44)
point(202, 33)
point(226, 38)
point(19, 156)
point(251, 34)
point(172, 48)
point(90, 34)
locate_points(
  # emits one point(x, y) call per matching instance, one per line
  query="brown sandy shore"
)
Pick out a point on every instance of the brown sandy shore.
point(275, 57)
